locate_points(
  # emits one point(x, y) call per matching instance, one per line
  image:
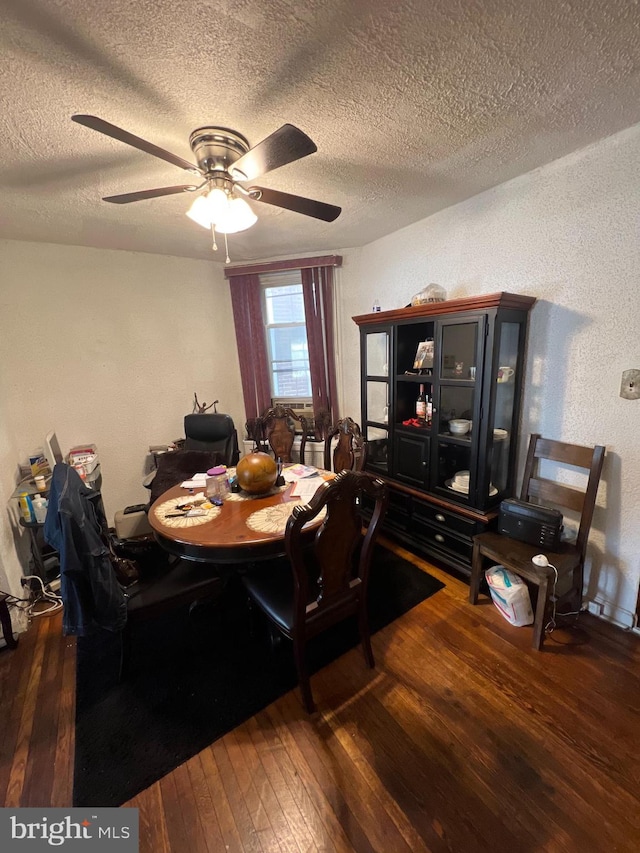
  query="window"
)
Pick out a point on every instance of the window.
point(283, 317)
point(286, 335)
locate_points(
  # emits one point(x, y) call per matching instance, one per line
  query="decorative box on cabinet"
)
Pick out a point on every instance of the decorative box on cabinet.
point(478, 367)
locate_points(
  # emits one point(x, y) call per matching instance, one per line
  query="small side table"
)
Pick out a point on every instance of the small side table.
point(5, 621)
point(35, 529)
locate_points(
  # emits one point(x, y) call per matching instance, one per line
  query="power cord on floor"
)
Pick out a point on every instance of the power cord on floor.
point(552, 624)
point(43, 594)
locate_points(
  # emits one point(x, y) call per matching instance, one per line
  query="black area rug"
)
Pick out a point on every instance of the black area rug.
point(197, 677)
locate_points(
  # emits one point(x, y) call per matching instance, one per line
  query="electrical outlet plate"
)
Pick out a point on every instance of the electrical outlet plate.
point(630, 386)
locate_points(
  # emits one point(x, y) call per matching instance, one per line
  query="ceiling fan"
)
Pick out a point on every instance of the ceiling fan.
point(225, 161)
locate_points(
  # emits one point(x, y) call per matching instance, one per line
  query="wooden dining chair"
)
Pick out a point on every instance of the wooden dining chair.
point(561, 582)
point(279, 431)
point(255, 432)
point(323, 584)
point(172, 586)
point(166, 584)
point(350, 451)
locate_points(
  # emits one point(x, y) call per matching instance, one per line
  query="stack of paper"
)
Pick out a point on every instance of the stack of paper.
point(307, 487)
point(198, 481)
point(296, 472)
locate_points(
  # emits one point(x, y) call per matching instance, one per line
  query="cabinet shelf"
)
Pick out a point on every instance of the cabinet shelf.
point(456, 439)
point(484, 336)
point(425, 379)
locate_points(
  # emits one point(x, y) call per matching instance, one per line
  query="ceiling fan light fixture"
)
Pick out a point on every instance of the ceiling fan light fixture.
point(224, 159)
point(199, 211)
point(238, 217)
point(228, 214)
point(217, 204)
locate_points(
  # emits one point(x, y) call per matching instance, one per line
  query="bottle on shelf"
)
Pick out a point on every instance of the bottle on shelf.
point(421, 405)
point(40, 508)
point(26, 507)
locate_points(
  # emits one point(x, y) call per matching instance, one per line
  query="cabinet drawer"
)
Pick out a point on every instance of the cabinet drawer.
point(441, 539)
point(398, 511)
point(449, 521)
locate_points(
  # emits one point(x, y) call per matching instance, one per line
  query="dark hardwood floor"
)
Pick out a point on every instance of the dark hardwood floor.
point(462, 739)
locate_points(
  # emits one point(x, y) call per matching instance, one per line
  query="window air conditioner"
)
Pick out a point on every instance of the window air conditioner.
point(302, 408)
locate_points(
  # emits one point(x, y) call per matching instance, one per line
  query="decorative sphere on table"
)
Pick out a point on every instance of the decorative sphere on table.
point(256, 473)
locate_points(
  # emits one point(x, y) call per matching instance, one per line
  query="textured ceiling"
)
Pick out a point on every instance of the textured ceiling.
point(414, 106)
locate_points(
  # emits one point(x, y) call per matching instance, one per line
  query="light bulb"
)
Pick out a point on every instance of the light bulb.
point(199, 212)
point(209, 208)
point(218, 204)
point(239, 217)
point(228, 214)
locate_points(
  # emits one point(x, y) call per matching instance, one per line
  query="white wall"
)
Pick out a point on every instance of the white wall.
point(107, 347)
point(569, 234)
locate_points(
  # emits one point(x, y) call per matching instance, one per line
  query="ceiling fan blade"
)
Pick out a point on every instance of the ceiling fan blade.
point(306, 206)
point(283, 146)
point(125, 198)
point(121, 135)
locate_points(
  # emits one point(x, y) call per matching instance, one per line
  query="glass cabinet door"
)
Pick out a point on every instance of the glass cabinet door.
point(502, 426)
point(456, 409)
point(376, 398)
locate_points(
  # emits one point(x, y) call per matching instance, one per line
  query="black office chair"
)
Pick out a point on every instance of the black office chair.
point(213, 432)
point(327, 583)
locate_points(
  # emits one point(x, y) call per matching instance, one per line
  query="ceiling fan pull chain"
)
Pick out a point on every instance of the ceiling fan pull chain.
point(213, 234)
point(226, 248)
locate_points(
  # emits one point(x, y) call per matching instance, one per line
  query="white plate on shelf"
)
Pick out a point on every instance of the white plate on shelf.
point(450, 484)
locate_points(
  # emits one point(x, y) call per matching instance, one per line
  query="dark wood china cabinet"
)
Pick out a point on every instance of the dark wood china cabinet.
point(447, 472)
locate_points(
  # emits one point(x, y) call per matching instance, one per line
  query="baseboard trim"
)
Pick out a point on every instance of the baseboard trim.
point(612, 613)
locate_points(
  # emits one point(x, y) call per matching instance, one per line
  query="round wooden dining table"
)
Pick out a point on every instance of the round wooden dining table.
point(244, 529)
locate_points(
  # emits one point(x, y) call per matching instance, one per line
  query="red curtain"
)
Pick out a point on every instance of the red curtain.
point(317, 289)
point(252, 348)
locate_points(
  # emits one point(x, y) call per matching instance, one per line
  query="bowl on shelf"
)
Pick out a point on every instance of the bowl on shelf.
point(459, 426)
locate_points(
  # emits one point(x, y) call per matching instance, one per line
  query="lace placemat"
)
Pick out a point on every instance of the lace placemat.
point(273, 519)
point(185, 520)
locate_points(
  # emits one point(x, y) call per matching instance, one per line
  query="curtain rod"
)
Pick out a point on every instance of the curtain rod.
point(279, 266)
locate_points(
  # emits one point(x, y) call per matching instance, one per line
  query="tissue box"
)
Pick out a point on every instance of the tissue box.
point(85, 455)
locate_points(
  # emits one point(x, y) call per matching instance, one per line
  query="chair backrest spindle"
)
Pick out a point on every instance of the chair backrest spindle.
point(350, 451)
point(279, 432)
point(341, 555)
point(545, 491)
